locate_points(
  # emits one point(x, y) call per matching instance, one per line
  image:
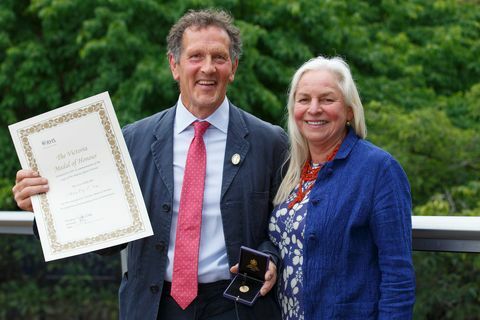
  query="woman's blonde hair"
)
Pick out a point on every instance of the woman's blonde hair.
point(299, 151)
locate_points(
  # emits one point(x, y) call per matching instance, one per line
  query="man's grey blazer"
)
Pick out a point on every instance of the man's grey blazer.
point(246, 203)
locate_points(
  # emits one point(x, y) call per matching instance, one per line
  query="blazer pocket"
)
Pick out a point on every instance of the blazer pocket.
point(258, 205)
point(258, 213)
point(259, 195)
point(356, 311)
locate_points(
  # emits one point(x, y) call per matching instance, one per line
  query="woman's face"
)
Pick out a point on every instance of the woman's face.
point(319, 110)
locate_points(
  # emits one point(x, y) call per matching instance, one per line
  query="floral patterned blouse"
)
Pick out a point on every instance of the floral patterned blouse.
point(286, 230)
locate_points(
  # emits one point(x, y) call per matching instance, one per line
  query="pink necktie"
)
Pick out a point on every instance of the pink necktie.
point(187, 242)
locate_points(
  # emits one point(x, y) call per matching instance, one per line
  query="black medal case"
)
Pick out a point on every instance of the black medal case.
point(245, 286)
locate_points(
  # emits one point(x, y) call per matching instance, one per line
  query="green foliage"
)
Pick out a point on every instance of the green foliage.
point(447, 286)
point(457, 201)
point(415, 64)
point(75, 288)
point(431, 149)
point(6, 199)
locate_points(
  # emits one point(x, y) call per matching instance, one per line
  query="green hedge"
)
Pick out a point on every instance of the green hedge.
point(83, 287)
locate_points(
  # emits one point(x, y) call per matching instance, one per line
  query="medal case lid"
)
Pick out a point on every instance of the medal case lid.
point(252, 267)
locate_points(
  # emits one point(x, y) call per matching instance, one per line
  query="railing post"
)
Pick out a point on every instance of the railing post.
point(124, 257)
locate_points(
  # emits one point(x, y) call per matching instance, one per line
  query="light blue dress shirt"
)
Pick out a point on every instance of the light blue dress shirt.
point(213, 260)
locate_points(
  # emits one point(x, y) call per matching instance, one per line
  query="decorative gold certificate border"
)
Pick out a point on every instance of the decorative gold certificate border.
point(97, 107)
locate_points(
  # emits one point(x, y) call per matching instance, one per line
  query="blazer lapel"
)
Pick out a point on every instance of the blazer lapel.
point(237, 144)
point(162, 149)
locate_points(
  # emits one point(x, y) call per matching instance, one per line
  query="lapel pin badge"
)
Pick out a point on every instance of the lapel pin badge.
point(236, 159)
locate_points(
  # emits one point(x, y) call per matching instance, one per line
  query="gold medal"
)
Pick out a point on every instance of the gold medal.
point(244, 289)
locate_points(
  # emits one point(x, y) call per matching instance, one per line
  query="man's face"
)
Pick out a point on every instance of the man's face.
point(204, 69)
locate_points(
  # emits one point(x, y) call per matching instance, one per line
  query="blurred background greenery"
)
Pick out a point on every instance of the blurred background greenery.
point(416, 64)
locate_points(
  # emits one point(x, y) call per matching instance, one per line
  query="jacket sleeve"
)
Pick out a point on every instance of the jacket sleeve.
point(392, 233)
point(280, 156)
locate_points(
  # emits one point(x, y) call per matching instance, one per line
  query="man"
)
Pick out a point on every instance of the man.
point(240, 173)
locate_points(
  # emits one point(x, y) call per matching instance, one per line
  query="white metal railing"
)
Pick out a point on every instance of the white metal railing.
point(429, 233)
point(21, 222)
point(446, 233)
point(16, 222)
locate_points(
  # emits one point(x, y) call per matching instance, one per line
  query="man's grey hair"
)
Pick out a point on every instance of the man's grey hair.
point(202, 19)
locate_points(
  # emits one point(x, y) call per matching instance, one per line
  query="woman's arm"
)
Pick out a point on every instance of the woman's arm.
point(392, 233)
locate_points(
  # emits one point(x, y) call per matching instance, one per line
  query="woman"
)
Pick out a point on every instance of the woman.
point(342, 220)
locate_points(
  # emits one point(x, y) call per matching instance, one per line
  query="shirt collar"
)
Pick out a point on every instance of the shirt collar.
point(218, 119)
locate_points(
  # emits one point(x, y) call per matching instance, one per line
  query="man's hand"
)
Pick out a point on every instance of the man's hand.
point(27, 184)
point(270, 277)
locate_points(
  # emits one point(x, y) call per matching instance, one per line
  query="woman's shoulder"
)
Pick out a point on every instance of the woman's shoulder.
point(370, 152)
point(368, 157)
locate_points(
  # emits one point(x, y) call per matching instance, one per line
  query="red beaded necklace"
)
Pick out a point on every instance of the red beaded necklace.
point(310, 174)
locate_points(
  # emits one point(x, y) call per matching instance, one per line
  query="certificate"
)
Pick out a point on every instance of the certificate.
point(94, 200)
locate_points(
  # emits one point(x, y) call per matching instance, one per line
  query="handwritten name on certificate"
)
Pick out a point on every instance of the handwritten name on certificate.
point(94, 201)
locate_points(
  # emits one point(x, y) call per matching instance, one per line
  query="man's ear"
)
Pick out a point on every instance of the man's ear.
point(234, 69)
point(173, 67)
